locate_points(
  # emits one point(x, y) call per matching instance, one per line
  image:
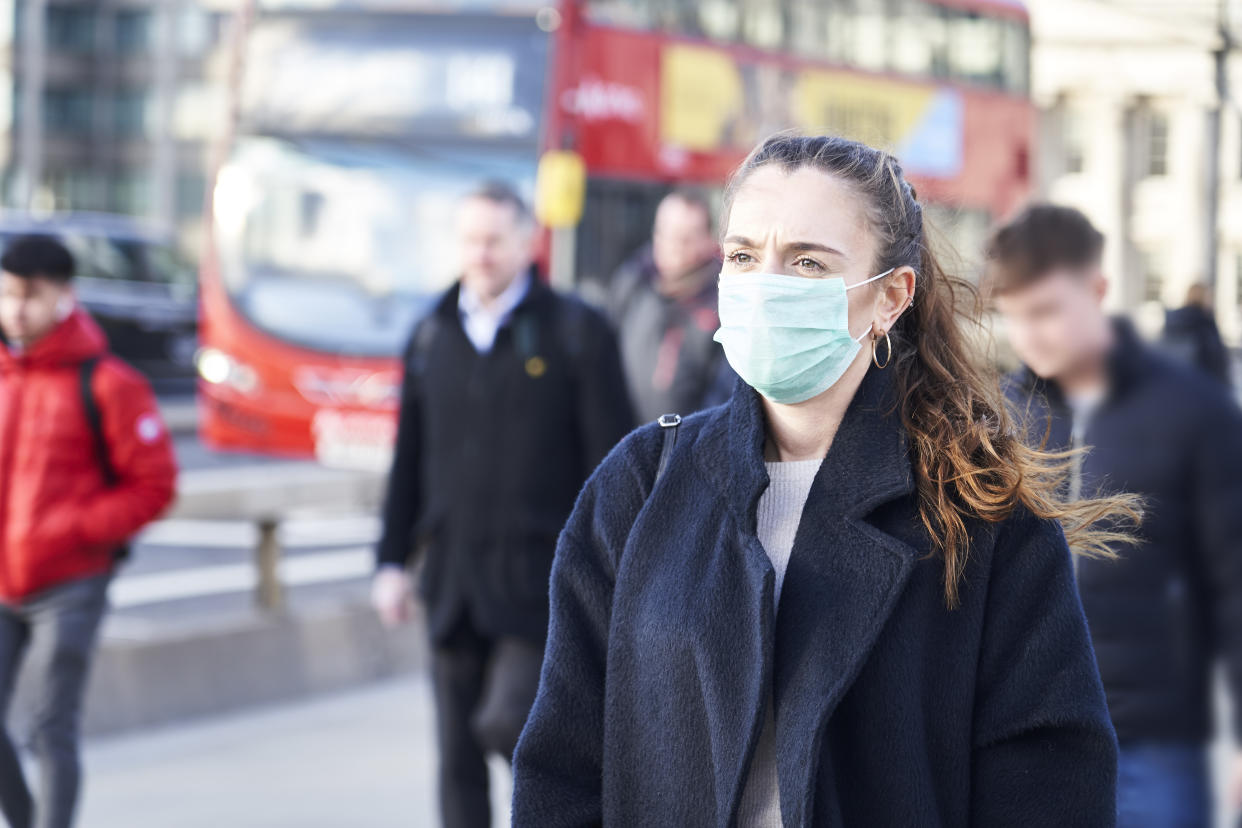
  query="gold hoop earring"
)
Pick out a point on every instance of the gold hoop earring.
point(875, 341)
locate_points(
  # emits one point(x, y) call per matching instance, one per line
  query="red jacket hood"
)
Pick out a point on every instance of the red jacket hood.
point(75, 340)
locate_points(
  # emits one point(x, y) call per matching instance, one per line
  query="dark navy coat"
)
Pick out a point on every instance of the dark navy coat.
point(891, 710)
point(1163, 615)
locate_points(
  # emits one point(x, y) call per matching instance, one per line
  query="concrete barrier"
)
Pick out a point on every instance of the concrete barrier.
point(267, 495)
point(273, 492)
point(180, 414)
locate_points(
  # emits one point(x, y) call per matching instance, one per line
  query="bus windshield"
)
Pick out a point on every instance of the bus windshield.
point(339, 246)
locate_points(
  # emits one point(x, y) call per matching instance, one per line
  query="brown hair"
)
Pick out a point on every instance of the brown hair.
point(502, 192)
point(1041, 239)
point(969, 457)
point(693, 197)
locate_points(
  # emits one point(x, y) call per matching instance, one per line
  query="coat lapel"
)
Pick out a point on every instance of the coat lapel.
point(728, 451)
point(844, 575)
point(844, 579)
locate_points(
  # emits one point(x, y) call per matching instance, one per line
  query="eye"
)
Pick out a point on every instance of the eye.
point(740, 257)
point(807, 263)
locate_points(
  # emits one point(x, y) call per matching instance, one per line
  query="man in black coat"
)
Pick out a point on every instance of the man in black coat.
point(512, 395)
point(1162, 614)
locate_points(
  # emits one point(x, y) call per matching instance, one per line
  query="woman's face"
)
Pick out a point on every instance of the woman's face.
point(805, 223)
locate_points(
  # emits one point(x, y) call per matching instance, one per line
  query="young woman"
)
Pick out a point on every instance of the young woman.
point(848, 599)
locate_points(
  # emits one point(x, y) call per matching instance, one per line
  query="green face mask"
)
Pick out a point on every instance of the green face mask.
point(788, 337)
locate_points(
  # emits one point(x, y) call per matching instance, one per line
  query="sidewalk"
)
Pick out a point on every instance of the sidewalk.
point(363, 759)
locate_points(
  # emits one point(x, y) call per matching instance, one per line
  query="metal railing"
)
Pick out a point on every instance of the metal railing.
point(268, 495)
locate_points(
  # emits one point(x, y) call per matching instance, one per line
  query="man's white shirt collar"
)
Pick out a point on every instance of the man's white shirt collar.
point(482, 323)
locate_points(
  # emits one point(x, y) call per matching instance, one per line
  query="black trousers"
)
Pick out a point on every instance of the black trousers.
point(484, 689)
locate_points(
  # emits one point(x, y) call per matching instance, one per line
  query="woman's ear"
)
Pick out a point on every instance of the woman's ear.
point(895, 297)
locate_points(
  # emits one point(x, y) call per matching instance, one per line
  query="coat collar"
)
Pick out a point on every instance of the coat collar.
point(845, 575)
point(74, 340)
point(867, 463)
point(537, 294)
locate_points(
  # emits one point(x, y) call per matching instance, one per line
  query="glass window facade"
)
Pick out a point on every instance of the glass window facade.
point(71, 29)
point(68, 111)
point(133, 31)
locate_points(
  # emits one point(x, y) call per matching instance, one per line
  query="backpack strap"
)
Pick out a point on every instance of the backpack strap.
point(95, 419)
point(669, 424)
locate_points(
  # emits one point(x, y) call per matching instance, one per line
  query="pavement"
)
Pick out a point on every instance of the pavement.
point(362, 759)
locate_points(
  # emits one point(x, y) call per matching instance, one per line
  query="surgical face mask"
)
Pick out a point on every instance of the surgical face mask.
point(788, 337)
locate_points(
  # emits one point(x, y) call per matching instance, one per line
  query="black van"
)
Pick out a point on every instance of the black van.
point(131, 280)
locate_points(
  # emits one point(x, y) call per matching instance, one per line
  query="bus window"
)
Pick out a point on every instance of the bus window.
point(858, 33)
point(975, 48)
point(631, 14)
point(337, 245)
point(871, 37)
point(808, 28)
point(839, 44)
point(921, 40)
point(720, 19)
point(763, 23)
point(683, 17)
point(1016, 55)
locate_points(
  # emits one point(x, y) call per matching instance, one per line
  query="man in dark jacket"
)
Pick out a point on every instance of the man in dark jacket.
point(1163, 613)
point(1190, 334)
point(72, 491)
point(512, 395)
point(663, 302)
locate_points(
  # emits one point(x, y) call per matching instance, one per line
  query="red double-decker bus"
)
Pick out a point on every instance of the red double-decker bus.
point(359, 126)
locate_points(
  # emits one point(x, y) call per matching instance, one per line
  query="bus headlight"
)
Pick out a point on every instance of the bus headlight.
point(218, 368)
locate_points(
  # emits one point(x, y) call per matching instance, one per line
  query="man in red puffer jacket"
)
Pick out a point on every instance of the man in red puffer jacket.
point(85, 462)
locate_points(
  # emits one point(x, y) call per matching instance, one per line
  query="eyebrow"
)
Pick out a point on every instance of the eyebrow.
point(795, 246)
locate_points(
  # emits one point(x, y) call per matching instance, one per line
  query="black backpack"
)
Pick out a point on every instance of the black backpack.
point(95, 419)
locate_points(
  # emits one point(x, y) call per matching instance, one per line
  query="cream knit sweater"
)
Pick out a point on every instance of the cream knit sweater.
point(780, 512)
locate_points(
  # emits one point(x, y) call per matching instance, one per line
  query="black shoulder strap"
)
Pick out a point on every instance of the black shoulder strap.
point(669, 424)
point(95, 419)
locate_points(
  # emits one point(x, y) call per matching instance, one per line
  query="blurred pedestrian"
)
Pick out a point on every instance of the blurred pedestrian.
point(85, 462)
point(1161, 615)
point(929, 663)
point(1190, 334)
point(663, 303)
point(512, 394)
